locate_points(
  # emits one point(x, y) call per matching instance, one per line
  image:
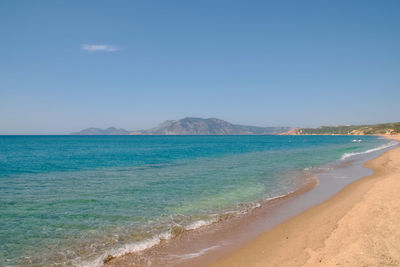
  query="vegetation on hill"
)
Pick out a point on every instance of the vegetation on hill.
point(383, 128)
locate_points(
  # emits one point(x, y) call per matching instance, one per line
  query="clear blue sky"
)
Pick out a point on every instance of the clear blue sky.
point(68, 65)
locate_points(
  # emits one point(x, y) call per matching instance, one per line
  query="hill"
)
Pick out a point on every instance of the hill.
point(211, 126)
point(98, 131)
point(383, 128)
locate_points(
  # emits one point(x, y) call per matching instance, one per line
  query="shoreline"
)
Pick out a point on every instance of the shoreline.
point(357, 226)
point(210, 243)
point(188, 247)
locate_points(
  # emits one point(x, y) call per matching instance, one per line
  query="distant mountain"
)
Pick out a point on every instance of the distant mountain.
point(211, 126)
point(98, 131)
point(383, 128)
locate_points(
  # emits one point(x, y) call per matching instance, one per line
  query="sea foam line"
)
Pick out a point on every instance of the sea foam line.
point(145, 244)
point(195, 254)
point(155, 240)
point(200, 223)
point(127, 248)
point(387, 145)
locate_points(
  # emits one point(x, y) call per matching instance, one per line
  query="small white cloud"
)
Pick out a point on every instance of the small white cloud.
point(99, 47)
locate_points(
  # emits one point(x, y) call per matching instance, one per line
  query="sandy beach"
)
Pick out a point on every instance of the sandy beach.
point(359, 226)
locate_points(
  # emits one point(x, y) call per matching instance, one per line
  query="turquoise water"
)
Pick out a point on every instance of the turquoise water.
point(74, 200)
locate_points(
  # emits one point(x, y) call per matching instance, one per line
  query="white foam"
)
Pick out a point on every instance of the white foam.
point(390, 144)
point(146, 244)
point(200, 223)
point(256, 205)
point(129, 248)
point(195, 254)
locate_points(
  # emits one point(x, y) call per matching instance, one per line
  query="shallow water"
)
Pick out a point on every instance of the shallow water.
point(75, 199)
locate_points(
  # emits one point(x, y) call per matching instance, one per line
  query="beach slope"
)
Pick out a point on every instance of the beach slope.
point(360, 226)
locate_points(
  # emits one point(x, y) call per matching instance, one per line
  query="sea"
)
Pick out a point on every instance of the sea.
point(75, 200)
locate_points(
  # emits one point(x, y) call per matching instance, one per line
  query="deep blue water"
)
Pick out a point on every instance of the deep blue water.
point(75, 199)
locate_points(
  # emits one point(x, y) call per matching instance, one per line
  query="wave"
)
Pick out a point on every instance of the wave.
point(387, 145)
point(148, 243)
point(128, 248)
point(199, 224)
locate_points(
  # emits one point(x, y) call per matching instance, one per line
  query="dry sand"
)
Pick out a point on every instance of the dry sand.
point(360, 226)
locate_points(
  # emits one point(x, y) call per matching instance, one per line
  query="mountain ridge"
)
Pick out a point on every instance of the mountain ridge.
point(190, 126)
point(99, 131)
point(208, 126)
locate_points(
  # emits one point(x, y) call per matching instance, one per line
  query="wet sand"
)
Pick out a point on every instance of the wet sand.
point(359, 226)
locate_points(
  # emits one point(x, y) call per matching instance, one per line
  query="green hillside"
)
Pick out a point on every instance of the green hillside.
point(382, 128)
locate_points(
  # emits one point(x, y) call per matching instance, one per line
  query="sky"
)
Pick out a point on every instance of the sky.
point(69, 65)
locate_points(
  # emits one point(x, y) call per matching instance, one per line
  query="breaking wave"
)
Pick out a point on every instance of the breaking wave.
point(390, 144)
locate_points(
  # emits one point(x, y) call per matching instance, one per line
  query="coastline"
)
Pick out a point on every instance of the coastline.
point(211, 243)
point(357, 226)
point(206, 244)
